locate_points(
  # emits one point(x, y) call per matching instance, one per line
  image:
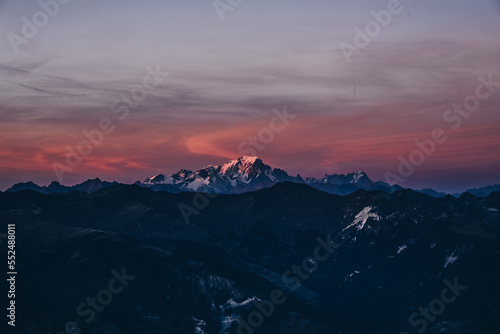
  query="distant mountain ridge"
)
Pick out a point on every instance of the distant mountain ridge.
point(243, 175)
point(483, 191)
point(88, 186)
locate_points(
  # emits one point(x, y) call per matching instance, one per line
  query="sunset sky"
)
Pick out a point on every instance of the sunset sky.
point(221, 80)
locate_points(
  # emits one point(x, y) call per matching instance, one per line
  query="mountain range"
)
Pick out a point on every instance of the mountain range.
point(243, 175)
point(250, 173)
point(88, 186)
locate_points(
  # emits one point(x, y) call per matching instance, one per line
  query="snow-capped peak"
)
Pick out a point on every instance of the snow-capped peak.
point(242, 162)
point(242, 174)
point(357, 176)
point(338, 179)
point(249, 159)
point(158, 179)
point(245, 169)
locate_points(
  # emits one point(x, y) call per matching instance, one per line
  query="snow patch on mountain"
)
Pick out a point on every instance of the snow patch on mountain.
point(357, 176)
point(402, 248)
point(362, 217)
point(197, 183)
point(271, 176)
point(227, 322)
point(199, 326)
point(245, 162)
point(159, 179)
point(450, 260)
point(231, 303)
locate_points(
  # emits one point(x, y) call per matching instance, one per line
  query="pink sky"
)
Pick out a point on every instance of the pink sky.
point(225, 78)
